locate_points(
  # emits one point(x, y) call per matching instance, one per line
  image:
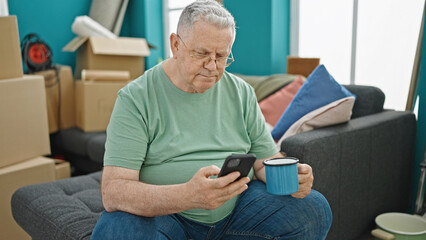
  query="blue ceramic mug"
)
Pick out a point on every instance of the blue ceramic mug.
point(281, 175)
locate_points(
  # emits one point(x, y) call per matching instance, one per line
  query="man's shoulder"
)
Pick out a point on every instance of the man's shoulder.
point(232, 76)
point(238, 82)
point(150, 74)
point(236, 79)
point(145, 81)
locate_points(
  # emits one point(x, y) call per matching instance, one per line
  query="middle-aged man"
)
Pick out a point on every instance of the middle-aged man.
point(171, 130)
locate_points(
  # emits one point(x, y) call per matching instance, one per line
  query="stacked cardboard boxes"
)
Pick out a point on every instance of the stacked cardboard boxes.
point(59, 85)
point(23, 122)
point(94, 100)
point(123, 53)
point(36, 170)
point(24, 137)
point(94, 103)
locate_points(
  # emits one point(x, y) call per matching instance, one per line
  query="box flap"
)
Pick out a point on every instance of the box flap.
point(74, 44)
point(121, 46)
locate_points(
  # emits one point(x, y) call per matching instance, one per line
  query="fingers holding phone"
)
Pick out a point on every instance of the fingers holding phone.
point(236, 169)
point(232, 180)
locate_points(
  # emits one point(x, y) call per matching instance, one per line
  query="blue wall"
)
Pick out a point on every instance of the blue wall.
point(262, 43)
point(52, 21)
point(144, 18)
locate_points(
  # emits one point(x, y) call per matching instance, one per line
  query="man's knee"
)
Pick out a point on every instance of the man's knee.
point(319, 213)
point(305, 218)
point(311, 216)
point(122, 225)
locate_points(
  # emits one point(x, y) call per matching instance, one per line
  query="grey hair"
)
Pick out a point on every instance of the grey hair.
point(209, 11)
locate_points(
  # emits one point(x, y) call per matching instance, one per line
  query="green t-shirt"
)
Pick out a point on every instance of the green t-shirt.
point(169, 134)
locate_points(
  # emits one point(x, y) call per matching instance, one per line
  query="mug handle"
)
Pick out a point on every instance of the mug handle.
point(379, 233)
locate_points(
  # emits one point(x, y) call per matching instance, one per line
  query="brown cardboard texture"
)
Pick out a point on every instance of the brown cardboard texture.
point(64, 88)
point(94, 104)
point(104, 75)
point(302, 66)
point(123, 54)
point(62, 169)
point(10, 49)
point(32, 171)
point(23, 119)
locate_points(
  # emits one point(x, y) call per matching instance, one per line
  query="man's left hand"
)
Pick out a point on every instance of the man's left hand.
point(306, 179)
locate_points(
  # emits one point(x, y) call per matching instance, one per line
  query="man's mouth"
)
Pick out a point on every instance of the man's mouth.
point(208, 76)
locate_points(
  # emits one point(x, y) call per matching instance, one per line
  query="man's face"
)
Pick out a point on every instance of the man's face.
point(194, 54)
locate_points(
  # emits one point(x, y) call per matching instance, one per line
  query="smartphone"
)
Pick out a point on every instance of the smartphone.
point(238, 162)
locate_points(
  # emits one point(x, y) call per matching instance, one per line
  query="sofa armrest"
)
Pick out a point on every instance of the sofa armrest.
point(363, 167)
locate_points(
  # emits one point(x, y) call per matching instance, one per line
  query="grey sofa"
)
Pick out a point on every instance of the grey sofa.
point(363, 167)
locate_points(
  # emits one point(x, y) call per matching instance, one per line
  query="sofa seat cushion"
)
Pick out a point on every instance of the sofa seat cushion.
point(64, 209)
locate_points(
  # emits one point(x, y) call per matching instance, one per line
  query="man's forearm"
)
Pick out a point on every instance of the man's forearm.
point(122, 191)
point(259, 168)
point(260, 172)
point(144, 199)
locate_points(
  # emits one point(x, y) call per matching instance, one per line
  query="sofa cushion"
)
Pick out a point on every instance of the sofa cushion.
point(264, 86)
point(63, 209)
point(339, 111)
point(319, 89)
point(369, 100)
point(274, 106)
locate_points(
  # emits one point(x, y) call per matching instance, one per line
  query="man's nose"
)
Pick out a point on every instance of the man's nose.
point(210, 64)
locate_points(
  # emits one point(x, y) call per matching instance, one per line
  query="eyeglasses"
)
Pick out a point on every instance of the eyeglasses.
point(206, 58)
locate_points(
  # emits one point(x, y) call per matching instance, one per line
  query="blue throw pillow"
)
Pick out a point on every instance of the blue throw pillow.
point(319, 89)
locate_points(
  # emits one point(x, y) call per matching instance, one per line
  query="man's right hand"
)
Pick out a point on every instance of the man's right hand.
point(210, 193)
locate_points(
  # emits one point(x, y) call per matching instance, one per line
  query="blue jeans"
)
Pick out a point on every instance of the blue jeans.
point(258, 215)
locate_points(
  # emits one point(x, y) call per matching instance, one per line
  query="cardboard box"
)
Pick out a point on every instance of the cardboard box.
point(97, 53)
point(24, 132)
point(10, 49)
point(302, 66)
point(104, 75)
point(65, 89)
point(62, 169)
point(32, 171)
point(94, 104)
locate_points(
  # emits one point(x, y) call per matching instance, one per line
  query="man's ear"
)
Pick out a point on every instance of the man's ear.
point(174, 44)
